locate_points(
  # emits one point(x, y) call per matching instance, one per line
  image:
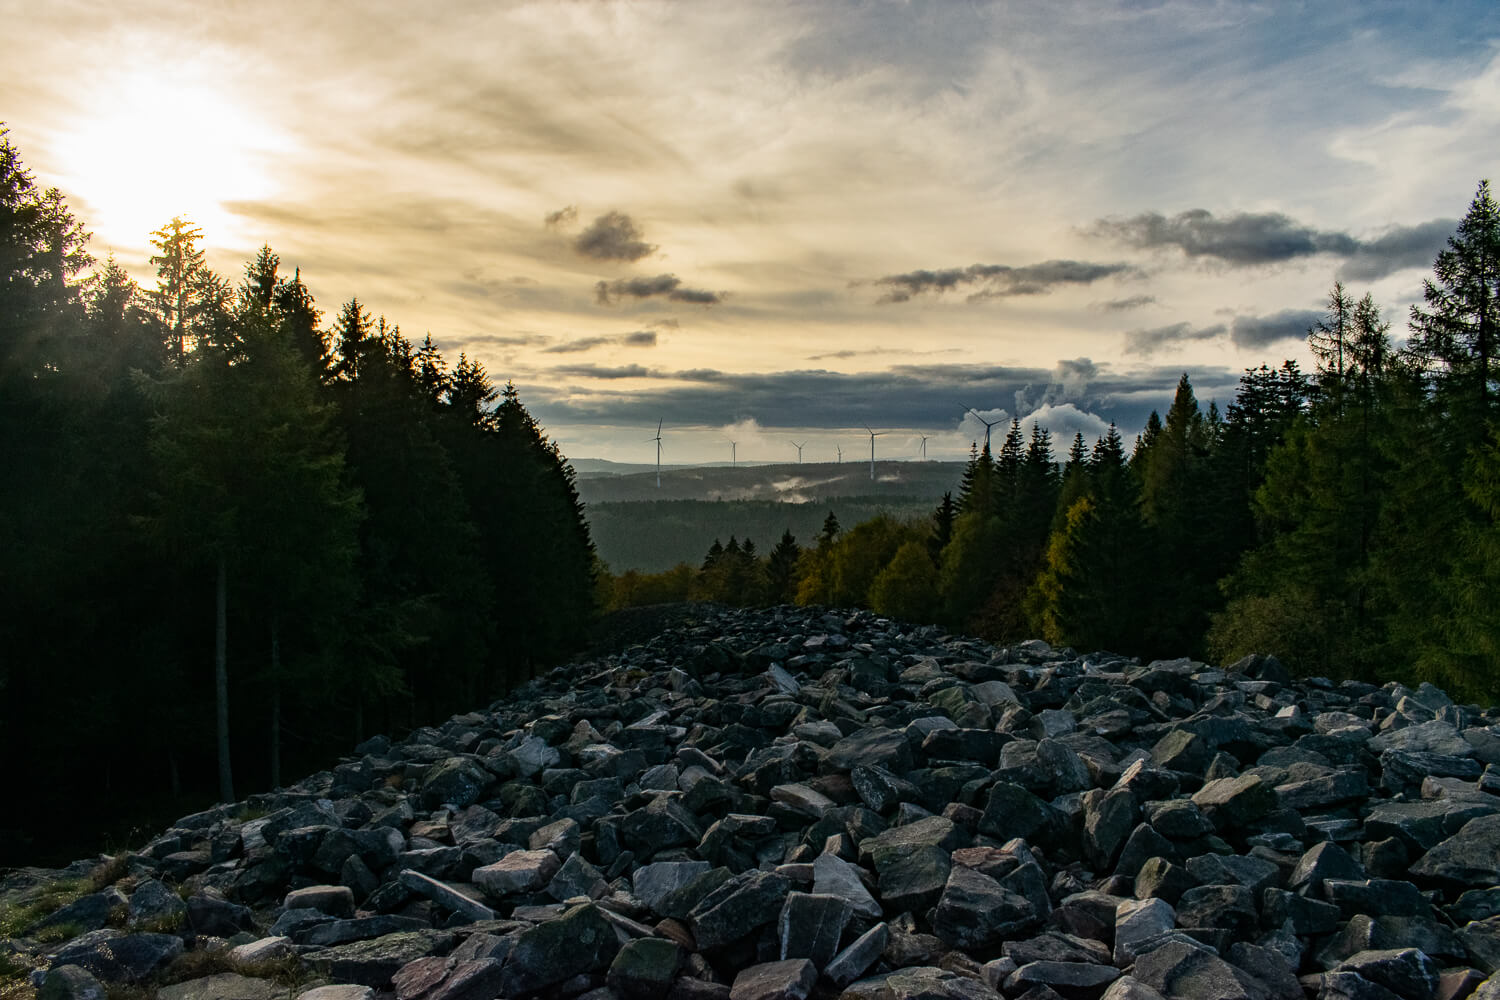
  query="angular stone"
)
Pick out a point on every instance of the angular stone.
point(373, 963)
point(1469, 858)
point(577, 877)
point(1227, 907)
point(976, 913)
point(456, 782)
point(1481, 939)
point(579, 941)
point(224, 986)
point(1233, 803)
point(1066, 977)
point(885, 748)
point(519, 871)
point(1322, 861)
point(1136, 923)
point(1108, 818)
point(737, 908)
point(70, 982)
point(811, 925)
point(1012, 811)
point(1406, 972)
point(912, 877)
point(645, 968)
point(115, 957)
point(792, 979)
point(833, 876)
point(154, 907)
point(337, 932)
point(446, 896)
point(334, 900)
point(851, 963)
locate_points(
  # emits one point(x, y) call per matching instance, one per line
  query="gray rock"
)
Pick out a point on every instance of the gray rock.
point(833, 876)
point(579, 941)
point(1136, 923)
point(738, 908)
point(334, 900)
point(1469, 858)
point(1067, 977)
point(115, 957)
point(976, 913)
point(373, 963)
point(70, 982)
point(811, 925)
point(851, 963)
point(645, 968)
point(1231, 803)
point(792, 979)
point(1406, 972)
point(224, 986)
point(154, 907)
point(446, 896)
point(519, 871)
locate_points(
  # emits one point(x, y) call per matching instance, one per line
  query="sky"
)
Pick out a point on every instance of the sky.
point(773, 222)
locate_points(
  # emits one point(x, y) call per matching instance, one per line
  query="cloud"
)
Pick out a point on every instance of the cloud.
point(1073, 375)
point(924, 398)
point(613, 236)
point(600, 371)
point(1262, 331)
point(1063, 421)
point(996, 280)
point(1399, 248)
point(562, 218)
point(1121, 305)
point(1249, 239)
point(668, 285)
point(508, 339)
point(640, 338)
point(1147, 342)
point(1241, 239)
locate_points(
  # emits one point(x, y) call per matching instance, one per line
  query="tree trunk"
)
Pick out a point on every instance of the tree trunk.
point(275, 700)
point(221, 679)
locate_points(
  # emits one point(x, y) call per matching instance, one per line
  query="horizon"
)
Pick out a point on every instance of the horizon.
point(771, 222)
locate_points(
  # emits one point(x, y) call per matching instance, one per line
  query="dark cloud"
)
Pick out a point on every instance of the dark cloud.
point(640, 338)
point(1244, 239)
point(1122, 305)
point(1270, 237)
point(668, 285)
point(668, 323)
point(996, 280)
point(1147, 342)
point(508, 339)
point(1262, 331)
point(600, 371)
point(931, 396)
point(561, 218)
point(1399, 248)
point(613, 236)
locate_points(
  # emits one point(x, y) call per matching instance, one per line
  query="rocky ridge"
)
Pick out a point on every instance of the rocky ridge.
point(778, 804)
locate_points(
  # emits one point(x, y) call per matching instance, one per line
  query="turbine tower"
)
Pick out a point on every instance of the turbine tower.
point(924, 447)
point(873, 436)
point(841, 453)
point(657, 439)
point(799, 450)
point(732, 461)
point(987, 425)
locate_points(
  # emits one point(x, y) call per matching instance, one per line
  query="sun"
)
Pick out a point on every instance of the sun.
point(149, 147)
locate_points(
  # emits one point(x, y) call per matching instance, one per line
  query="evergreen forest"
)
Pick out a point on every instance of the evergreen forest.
point(238, 534)
point(1345, 519)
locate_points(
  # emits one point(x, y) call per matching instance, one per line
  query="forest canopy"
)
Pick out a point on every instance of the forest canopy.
point(231, 523)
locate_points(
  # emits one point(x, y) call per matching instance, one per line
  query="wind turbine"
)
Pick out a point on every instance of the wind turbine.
point(924, 447)
point(657, 439)
point(799, 450)
point(732, 454)
point(987, 425)
point(841, 453)
point(873, 436)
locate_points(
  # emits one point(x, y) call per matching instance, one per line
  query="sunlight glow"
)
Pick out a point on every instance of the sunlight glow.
point(150, 147)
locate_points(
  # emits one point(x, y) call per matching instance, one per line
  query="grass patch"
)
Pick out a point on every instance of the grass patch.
point(15, 980)
point(57, 933)
point(110, 871)
point(15, 918)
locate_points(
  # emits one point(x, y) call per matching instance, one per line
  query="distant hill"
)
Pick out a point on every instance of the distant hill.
point(653, 536)
point(795, 483)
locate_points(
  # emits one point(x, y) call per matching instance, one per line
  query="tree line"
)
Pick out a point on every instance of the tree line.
point(1346, 519)
point(230, 524)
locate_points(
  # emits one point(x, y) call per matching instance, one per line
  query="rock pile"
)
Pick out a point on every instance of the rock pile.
point(771, 805)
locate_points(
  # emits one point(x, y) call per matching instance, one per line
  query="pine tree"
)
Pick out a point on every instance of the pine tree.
point(781, 569)
point(1456, 337)
point(942, 527)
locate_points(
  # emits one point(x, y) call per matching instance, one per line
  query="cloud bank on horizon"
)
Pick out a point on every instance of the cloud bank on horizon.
point(657, 211)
